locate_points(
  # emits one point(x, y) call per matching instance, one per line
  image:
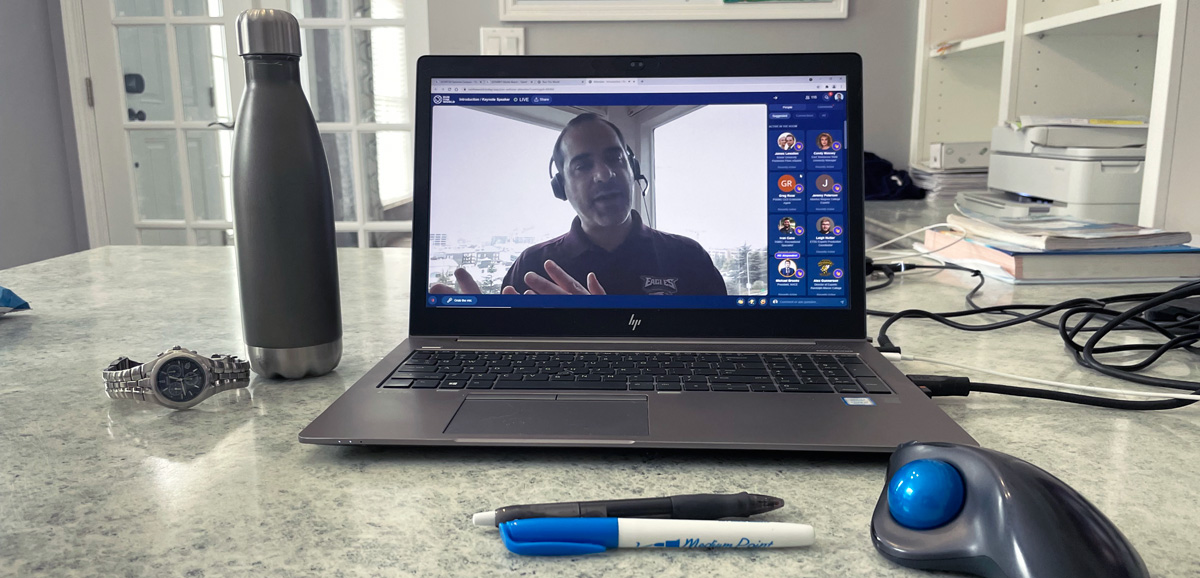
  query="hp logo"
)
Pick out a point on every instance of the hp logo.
point(634, 322)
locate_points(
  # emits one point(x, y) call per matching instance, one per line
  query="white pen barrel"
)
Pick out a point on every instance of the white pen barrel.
point(658, 533)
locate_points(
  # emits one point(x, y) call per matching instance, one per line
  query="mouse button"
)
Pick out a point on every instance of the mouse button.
point(912, 451)
point(953, 540)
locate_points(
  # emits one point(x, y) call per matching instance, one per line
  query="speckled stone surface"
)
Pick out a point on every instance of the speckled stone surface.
point(95, 487)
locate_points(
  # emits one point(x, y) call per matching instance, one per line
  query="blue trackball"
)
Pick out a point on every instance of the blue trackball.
point(925, 494)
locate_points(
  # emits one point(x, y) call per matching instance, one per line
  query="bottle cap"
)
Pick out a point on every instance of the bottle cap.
point(268, 32)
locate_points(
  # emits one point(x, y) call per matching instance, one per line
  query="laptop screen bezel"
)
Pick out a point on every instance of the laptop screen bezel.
point(766, 323)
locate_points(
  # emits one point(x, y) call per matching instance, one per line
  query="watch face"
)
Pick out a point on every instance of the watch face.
point(180, 379)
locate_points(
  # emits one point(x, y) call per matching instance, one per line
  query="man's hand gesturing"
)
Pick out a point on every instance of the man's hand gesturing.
point(560, 283)
point(466, 285)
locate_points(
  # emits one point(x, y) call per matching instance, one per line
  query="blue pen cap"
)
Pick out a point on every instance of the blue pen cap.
point(559, 536)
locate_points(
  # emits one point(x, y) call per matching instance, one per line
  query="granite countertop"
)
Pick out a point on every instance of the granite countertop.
point(97, 487)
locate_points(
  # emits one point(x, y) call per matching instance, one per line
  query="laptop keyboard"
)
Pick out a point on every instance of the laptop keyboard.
point(624, 371)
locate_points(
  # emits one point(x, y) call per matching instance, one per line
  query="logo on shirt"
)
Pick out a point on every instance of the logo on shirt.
point(824, 266)
point(659, 285)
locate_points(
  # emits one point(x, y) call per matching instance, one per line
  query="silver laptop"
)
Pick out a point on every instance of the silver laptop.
point(660, 251)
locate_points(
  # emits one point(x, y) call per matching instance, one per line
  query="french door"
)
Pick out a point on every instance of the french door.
point(167, 79)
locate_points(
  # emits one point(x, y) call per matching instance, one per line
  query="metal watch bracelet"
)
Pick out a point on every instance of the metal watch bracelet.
point(127, 379)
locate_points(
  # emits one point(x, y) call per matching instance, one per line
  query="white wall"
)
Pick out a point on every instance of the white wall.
point(884, 32)
point(41, 203)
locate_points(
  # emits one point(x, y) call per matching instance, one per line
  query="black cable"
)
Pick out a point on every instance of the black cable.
point(1085, 355)
point(939, 385)
point(1133, 297)
point(1092, 309)
point(894, 268)
point(1080, 399)
point(891, 277)
point(1039, 310)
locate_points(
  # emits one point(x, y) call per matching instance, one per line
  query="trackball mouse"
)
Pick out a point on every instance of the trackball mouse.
point(978, 511)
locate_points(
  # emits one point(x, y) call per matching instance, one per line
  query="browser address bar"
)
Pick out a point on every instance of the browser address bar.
point(626, 88)
point(611, 81)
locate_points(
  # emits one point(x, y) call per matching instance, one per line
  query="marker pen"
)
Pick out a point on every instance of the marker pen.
point(574, 536)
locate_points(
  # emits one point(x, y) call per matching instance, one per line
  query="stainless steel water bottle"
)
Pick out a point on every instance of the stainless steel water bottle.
point(283, 209)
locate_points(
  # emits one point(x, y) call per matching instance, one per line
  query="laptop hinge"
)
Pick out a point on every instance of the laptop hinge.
point(469, 340)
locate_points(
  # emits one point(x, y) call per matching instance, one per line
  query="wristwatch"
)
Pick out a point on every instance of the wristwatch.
point(178, 378)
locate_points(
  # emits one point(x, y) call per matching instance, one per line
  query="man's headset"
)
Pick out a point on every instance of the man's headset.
point(556, 178)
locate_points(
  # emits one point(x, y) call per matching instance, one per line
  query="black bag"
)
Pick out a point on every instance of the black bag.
point(885, 183)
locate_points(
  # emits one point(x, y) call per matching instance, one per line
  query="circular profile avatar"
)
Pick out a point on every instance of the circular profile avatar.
point(839, 96)
point(824, 141)
point(787, 268)
point(787, 226)
point(787, 141)
point(825, 226)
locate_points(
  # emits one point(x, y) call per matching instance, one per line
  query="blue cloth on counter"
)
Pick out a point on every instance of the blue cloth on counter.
point(10, 302)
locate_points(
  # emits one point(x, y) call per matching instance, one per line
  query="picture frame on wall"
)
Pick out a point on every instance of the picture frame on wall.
point(633, 10)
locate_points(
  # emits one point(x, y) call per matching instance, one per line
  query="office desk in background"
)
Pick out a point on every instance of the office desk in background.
point(95, 487)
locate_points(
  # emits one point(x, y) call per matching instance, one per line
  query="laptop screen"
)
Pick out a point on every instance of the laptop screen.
point(688, 193)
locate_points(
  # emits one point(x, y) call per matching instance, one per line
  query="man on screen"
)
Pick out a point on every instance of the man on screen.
point(608, 249)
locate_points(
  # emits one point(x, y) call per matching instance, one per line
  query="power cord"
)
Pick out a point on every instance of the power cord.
point(1180, 333)
point(872, 268)
point(962, 235)
point(941, 385)
point(1087, 388)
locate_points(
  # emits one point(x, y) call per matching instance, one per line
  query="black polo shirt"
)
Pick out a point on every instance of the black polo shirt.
point(648, 262)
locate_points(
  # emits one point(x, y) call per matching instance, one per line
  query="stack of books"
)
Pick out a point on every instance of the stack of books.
point(948, 180)
point(1064, 250)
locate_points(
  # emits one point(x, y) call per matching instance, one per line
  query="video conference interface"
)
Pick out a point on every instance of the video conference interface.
point(639, 193)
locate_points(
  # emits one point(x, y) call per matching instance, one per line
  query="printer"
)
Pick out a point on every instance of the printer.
point(1086, 169)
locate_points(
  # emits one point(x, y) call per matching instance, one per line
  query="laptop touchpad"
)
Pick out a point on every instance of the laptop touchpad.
point(551, 417)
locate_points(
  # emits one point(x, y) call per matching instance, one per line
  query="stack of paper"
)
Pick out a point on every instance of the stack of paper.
point(948, 180)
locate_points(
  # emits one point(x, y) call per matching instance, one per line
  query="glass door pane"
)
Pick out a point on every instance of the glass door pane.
point(156, 174)
point(166, 71)
point(315, 8)
point(354, 70)
point(138, 7)
point(388, 9)
point(197, 7)
point(172, 80)
point(340, 158)
point(387, 175)
point(209, 154)
point(322, 74)
point(146, 70)
point(382, 75)
point(204, 88)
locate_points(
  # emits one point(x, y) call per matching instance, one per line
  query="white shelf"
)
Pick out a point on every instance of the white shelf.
point(987, 43)
point(1083, 58)
point(1120, 18)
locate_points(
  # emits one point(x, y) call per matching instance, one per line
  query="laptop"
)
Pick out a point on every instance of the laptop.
point(656, 252)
